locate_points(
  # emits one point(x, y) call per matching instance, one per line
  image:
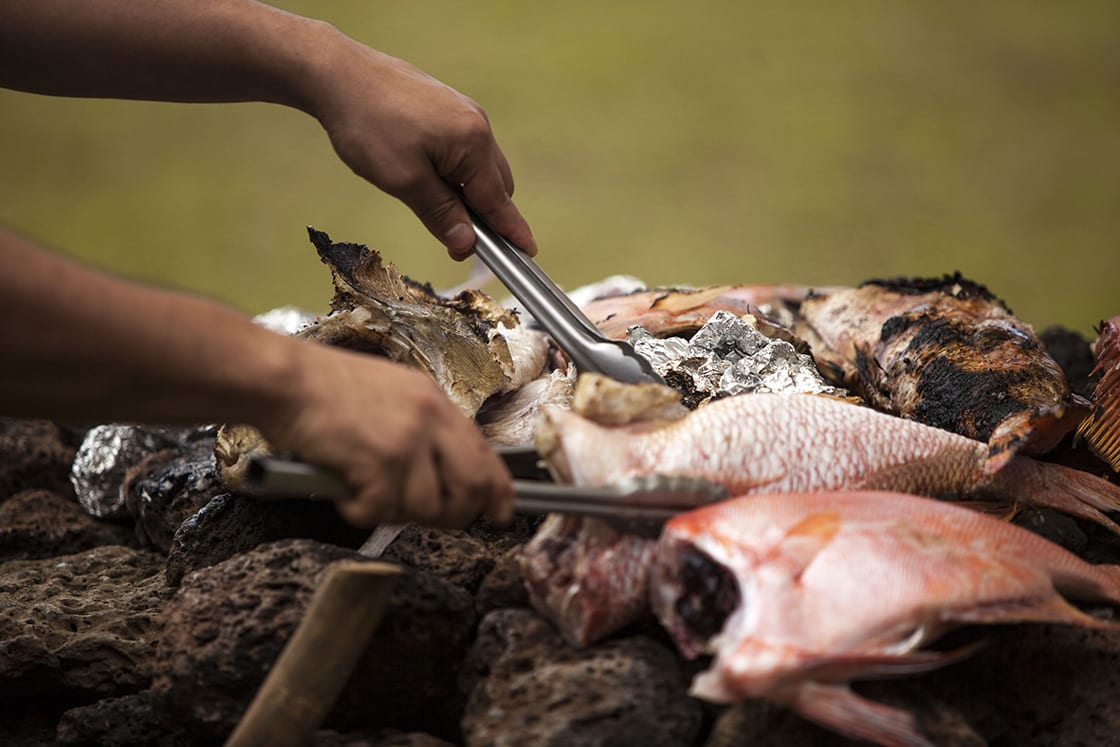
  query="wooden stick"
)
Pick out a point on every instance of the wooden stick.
point(314, 666)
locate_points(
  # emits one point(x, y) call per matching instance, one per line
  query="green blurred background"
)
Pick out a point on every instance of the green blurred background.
point(685, 143)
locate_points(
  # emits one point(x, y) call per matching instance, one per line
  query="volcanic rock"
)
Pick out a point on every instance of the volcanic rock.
point(450, 554)
point(168, 487)
point(1071, 351)
point(381, 738)
point(526, 686)
point(80, 624)
point(36, 455)
point(43, 524)
point(503, 587)
point(1038, 685)
point(232, 524)
point(760, 724)
point(229, 622)
point(128, 720)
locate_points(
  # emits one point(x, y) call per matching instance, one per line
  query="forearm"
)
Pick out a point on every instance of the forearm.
point(80, 344)
point(174, 50)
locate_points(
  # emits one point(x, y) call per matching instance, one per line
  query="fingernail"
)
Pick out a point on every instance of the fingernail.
point(460, 238)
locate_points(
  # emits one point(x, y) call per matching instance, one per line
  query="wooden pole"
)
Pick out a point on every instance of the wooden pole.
point(314, 666)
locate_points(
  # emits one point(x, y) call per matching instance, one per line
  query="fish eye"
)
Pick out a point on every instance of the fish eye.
point(709, 594)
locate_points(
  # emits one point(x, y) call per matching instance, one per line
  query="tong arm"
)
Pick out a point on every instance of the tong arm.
point(638, 505)
point(588, 348)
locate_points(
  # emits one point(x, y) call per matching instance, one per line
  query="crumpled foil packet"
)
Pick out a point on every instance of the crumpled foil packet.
point(729, 356)
point(108, 452)
point(286, 320)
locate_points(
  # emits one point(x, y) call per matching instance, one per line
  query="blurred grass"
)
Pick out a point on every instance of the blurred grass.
point(807, 141)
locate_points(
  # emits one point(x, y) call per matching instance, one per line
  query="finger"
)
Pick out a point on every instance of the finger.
point(504, 169)
point(442, 212)
point(371, 504)
point(379, 492)
point(481, 480)
point(486, 191)
point(424, 491)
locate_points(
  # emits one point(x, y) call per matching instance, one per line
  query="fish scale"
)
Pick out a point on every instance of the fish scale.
point(766, 443)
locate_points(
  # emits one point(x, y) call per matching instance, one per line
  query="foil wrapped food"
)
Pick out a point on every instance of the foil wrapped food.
point(729, 356)
point(106, 455)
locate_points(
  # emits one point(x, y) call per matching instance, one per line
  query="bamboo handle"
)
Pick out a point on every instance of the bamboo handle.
point(314, 666)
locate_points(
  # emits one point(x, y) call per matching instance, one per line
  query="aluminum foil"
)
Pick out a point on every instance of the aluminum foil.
point(108, 452)
point(729, 356)
point(286, 319)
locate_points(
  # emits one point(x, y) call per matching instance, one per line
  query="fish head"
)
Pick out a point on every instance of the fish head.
point(693, 591)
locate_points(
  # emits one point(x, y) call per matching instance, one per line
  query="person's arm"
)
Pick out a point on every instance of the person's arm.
point(402, 130)
point(80, 344)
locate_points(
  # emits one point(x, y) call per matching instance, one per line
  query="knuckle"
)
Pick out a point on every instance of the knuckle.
point(401, 181)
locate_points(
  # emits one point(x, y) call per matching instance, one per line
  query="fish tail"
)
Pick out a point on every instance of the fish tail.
point(840, 709)
point(1054, 486)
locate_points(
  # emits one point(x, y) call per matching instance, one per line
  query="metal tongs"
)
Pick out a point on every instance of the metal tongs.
point(637, 505)
point(588, 348)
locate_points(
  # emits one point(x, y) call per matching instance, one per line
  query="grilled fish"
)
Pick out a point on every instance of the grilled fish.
point(948, 353)
point(769, 443)
point(679, 311)
point(796, 594)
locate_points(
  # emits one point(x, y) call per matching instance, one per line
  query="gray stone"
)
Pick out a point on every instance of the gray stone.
point(527, 686)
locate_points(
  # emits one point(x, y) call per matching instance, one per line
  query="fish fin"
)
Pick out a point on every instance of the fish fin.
point(870, 665)
point(840, 709)
point(1101, 430)
point(999, 454)
point(874, 384)
point(1053, 609)
point(1055, 486)
point(805, 539)
point(1033, 432)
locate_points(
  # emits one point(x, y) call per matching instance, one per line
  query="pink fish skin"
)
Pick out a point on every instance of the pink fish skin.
point(673, 311)
point(768, 443)
point(796, 594)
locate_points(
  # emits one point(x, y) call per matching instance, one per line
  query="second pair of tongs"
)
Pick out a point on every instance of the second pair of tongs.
point(588, 348)
point(637, 505)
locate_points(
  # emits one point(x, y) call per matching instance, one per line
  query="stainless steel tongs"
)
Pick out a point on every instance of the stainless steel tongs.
point(588, 348)
point(637, 505)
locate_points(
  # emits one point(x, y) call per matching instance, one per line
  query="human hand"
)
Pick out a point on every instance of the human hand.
point(387, 430)
point(417, 139)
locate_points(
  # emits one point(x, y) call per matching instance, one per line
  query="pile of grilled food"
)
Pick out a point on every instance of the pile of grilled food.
point(872, 441)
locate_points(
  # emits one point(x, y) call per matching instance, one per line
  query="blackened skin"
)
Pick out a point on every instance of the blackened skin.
point(710, 595)
point(948, 393)
point(954, 285)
